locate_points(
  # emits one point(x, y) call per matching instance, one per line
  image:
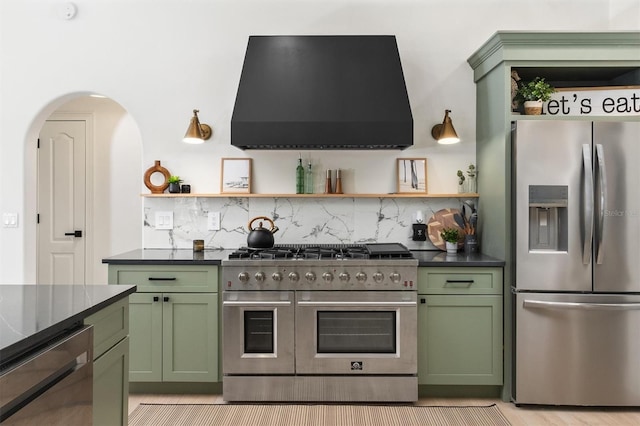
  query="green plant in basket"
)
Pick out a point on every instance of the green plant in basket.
point(451, 235)
point(535, 90)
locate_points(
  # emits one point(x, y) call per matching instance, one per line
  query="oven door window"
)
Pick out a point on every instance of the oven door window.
point(258, 332)
point(356, 332)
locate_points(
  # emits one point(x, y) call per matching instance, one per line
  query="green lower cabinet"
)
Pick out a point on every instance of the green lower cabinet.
point(460, 340)
point(145, 332)
point(110, 377)
point(111, 364)
point(174, 337)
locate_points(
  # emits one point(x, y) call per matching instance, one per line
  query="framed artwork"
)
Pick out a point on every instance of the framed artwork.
point(235, 176)
point(412, 175)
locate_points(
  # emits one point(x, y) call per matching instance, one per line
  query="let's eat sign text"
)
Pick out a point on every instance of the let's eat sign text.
point(594, 101)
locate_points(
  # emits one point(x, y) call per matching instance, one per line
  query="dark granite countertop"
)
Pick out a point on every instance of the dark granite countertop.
point(168, 257)
point(441, 258)
point(214, 257)
point(33, 314)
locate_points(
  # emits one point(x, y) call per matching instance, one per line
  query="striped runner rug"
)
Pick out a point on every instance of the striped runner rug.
point(307, 415)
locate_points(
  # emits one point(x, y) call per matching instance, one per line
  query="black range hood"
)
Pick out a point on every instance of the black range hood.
point(322, 92)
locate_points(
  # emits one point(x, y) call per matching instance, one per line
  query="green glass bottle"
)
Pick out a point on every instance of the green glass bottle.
point(308, 180)
point(300, 177)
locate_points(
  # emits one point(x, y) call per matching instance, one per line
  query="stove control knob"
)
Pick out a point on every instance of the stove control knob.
point(243, 277)
point(293, 276)
point(327, 277)
point(361, 277)
point(344, 276)
point(277, 276)
point(378, 277)
point(395, 277)
point(310, 276)
point(260, 276)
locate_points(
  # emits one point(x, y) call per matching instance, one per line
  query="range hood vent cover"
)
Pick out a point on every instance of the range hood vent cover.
point(322, 92)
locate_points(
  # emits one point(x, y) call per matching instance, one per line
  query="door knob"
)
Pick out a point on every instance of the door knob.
point(76, 234)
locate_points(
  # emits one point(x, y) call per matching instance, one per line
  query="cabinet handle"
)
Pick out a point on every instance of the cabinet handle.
point(166, 298)
point(423, 300)
point(459, 283)
point(162, 279)
point(156, 298)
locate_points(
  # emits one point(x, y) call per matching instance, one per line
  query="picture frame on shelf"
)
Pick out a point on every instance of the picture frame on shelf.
point(411, 176)
point(235, 176)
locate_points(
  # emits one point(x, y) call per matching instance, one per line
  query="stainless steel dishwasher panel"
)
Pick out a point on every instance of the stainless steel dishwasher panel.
point(577, 349)
point(52, 386)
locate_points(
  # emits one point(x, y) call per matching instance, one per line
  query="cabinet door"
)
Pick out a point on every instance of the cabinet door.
point(190, 337)
point(111, 386)
point(460, 340)
point(145, 331)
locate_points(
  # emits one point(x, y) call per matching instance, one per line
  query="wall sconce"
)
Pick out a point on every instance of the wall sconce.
point(445, 133)
point(197, 132)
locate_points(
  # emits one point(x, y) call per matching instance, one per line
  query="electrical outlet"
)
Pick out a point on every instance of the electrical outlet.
point(164, 220)
point(213, 221)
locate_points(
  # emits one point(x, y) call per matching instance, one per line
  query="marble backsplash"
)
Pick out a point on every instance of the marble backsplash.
point(300, 220)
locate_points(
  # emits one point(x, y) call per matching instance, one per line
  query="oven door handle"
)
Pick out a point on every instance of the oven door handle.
point(255, 303)
point(323, 303)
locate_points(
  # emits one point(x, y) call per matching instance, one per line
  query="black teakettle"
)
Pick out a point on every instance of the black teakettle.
point(261, 237)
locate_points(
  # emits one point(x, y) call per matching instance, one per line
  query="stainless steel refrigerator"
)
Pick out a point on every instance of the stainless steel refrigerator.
point(576, 192)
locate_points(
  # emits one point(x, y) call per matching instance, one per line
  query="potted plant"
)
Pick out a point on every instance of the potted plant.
point(450, 237)
point(174, 184)
point(534, 93)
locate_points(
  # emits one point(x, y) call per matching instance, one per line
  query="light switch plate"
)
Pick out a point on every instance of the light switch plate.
point(213, 221)
point(164, 220)
point(10, 220)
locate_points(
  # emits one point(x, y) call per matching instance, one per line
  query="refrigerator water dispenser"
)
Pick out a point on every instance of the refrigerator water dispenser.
point(548, 217)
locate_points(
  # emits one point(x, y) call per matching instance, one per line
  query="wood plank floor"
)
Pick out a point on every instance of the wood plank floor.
point(525, 416)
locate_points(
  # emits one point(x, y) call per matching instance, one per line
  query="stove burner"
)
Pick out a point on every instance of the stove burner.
point(325, 252)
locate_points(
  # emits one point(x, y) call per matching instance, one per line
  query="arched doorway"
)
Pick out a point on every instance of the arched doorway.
point(108, 210)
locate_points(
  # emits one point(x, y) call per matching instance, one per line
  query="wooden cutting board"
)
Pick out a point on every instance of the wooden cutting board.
point(440, 220)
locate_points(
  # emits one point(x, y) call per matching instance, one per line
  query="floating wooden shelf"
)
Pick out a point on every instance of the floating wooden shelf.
point(168, 195)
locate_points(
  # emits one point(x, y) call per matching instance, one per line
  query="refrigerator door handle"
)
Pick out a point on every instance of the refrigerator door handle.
point(602, 177)
point(542, 304)
point(587, 207)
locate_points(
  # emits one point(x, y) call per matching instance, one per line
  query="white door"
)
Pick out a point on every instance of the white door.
point(61, 203)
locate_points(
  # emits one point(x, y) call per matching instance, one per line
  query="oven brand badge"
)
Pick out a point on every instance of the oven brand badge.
point(356, 365)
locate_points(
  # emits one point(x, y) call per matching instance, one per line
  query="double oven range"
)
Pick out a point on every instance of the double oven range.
point(320, 323)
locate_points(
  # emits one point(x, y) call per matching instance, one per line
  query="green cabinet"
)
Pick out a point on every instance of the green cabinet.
point(111, 364)
point(111, 386)
point(460, 326)
point(173, 322)
point(565, 59)
point(174, 337)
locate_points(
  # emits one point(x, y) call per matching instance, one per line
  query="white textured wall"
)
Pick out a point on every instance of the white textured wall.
point(160, 59)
